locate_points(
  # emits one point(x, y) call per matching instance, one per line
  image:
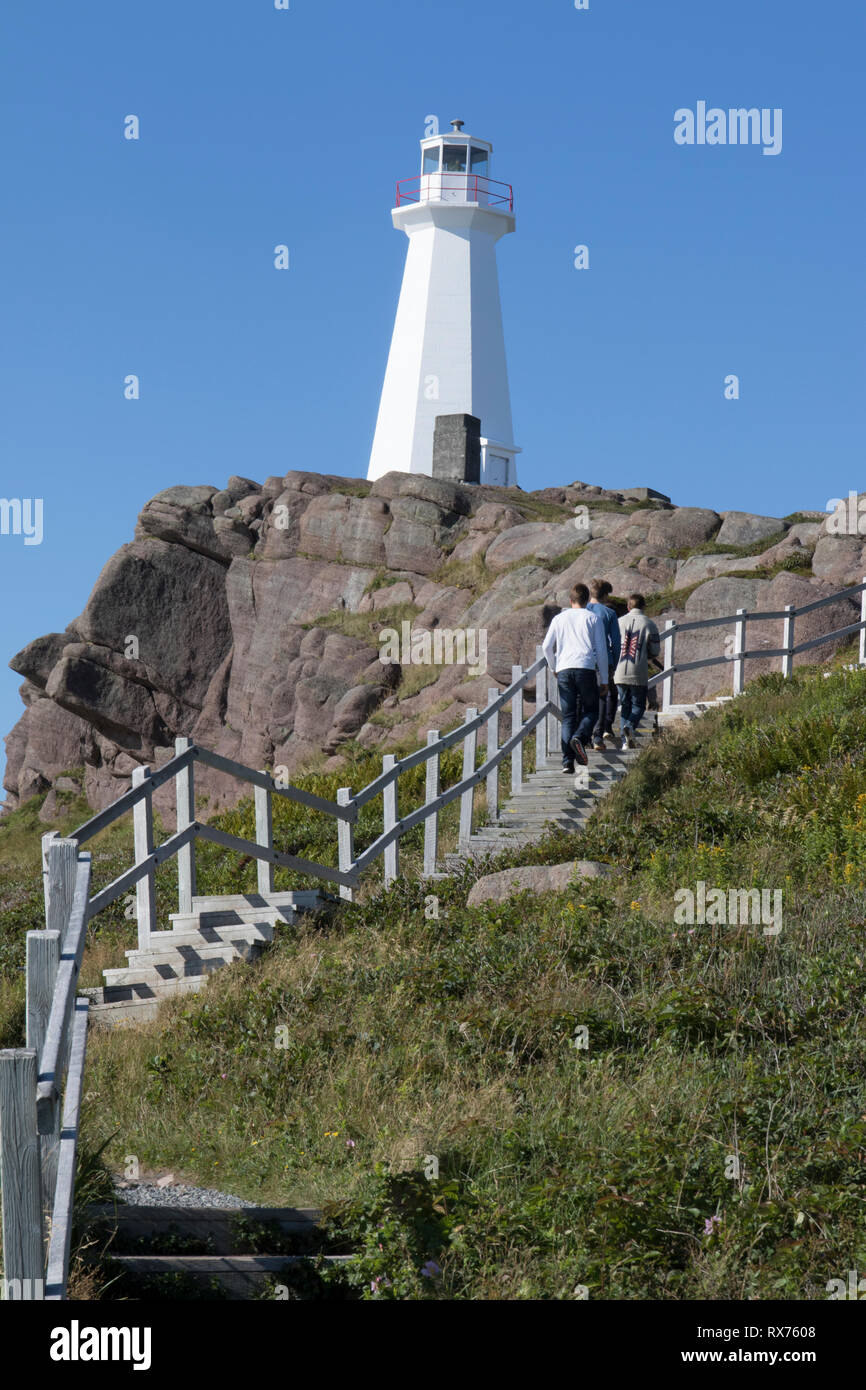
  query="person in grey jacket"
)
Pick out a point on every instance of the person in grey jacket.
point(640, 643)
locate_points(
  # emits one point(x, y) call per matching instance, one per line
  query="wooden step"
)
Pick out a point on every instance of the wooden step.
point(214, 920)
point(240, 1275)
point(189, 953)
point(260, 933)
point(158, 978)
point(141, 984)
point(220, 1227)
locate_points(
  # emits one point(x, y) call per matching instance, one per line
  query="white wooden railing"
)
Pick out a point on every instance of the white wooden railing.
point(740, 654)
point(38, 1135)
point(39, 1116)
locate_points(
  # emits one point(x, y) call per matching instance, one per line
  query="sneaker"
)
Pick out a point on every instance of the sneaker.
point(599, 745)
point(579, 751)
point(628, 737)
point(567, 769)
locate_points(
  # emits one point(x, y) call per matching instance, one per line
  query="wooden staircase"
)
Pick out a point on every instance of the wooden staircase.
point(547, 798)
point(219, 930)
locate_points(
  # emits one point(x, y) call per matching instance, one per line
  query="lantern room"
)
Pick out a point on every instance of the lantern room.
point(455, 168)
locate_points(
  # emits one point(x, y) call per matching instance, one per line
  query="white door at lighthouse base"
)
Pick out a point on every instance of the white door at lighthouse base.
point(496, 471)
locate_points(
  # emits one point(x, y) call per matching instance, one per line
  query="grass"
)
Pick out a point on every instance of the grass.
point(367, 626)
point(709, 1143)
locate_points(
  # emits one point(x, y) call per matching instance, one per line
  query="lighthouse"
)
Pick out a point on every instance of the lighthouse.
point(447, 358)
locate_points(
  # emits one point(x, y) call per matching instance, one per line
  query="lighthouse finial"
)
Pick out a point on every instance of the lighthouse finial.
point(458, 125)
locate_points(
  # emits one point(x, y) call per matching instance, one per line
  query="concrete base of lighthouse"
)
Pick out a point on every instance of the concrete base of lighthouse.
point(447, 354)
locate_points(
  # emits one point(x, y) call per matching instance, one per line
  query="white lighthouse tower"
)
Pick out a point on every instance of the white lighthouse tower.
point(447, 353)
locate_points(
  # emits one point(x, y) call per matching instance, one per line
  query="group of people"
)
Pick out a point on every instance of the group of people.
point(600, 661)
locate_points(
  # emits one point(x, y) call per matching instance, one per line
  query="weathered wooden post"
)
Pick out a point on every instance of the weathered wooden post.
point(43, 958)
point(470, 746)
point(788, 640)
point(863, 629)
point(184, 787)
point(541, 726)
point(739, 648)
point(145, 888)
point(516, 726)
point(668, 641)
point(432, 790)
point(345, 842)
point(389, 820)
point(553, 733)
point(265, 838)
point(23, 1237)
point(492, 747)
point(59, 861)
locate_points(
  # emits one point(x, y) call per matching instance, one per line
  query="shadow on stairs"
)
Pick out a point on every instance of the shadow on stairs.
point(219, 930)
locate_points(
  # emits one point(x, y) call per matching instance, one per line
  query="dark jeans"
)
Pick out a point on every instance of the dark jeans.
point(632, 703)
point(578, 699)
point(606, 712)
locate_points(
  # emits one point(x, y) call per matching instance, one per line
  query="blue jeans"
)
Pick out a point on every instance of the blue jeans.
point(632, 703)
point(578, 698)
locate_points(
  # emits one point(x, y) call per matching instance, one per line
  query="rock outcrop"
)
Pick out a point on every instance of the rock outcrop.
point(251, 617)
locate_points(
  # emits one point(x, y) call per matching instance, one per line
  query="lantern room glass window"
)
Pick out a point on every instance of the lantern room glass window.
point(431, 160)
point(454, 159)
point(480, 162)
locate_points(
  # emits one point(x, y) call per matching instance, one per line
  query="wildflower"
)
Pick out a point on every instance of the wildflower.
point(430, 1269)
point(350, 1143)
point(634, 904)
point(710, 1225)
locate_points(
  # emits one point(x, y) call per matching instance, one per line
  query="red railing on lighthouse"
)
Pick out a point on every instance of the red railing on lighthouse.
point(471, 188)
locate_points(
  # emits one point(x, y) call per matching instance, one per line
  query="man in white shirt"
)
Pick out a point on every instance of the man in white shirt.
point(576, 649)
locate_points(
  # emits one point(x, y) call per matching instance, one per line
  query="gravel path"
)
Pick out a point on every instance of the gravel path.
point(147, 1194)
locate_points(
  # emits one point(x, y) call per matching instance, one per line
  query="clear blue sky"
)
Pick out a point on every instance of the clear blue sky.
point(260, 127)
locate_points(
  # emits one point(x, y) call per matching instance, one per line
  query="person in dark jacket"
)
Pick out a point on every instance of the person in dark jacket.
point(599, 590)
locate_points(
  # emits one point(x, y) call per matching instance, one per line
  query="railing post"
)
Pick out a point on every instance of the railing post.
point(264, 837)
point(345, 843)
point(863, 629)
point(541, 726)
point(389, 820)
point(553, 735)
point(739, 648)
point(43, 957)
point(432, 790)
point(788, 640)
point(59, 864)
point(516, 726)
point(184, 787)
point(470, 746)
point(668, 644)
point(23, 1238)
point(145, 888)
point(493, 747)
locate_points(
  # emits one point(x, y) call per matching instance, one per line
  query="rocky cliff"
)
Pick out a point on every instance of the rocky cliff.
point(249, 617)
